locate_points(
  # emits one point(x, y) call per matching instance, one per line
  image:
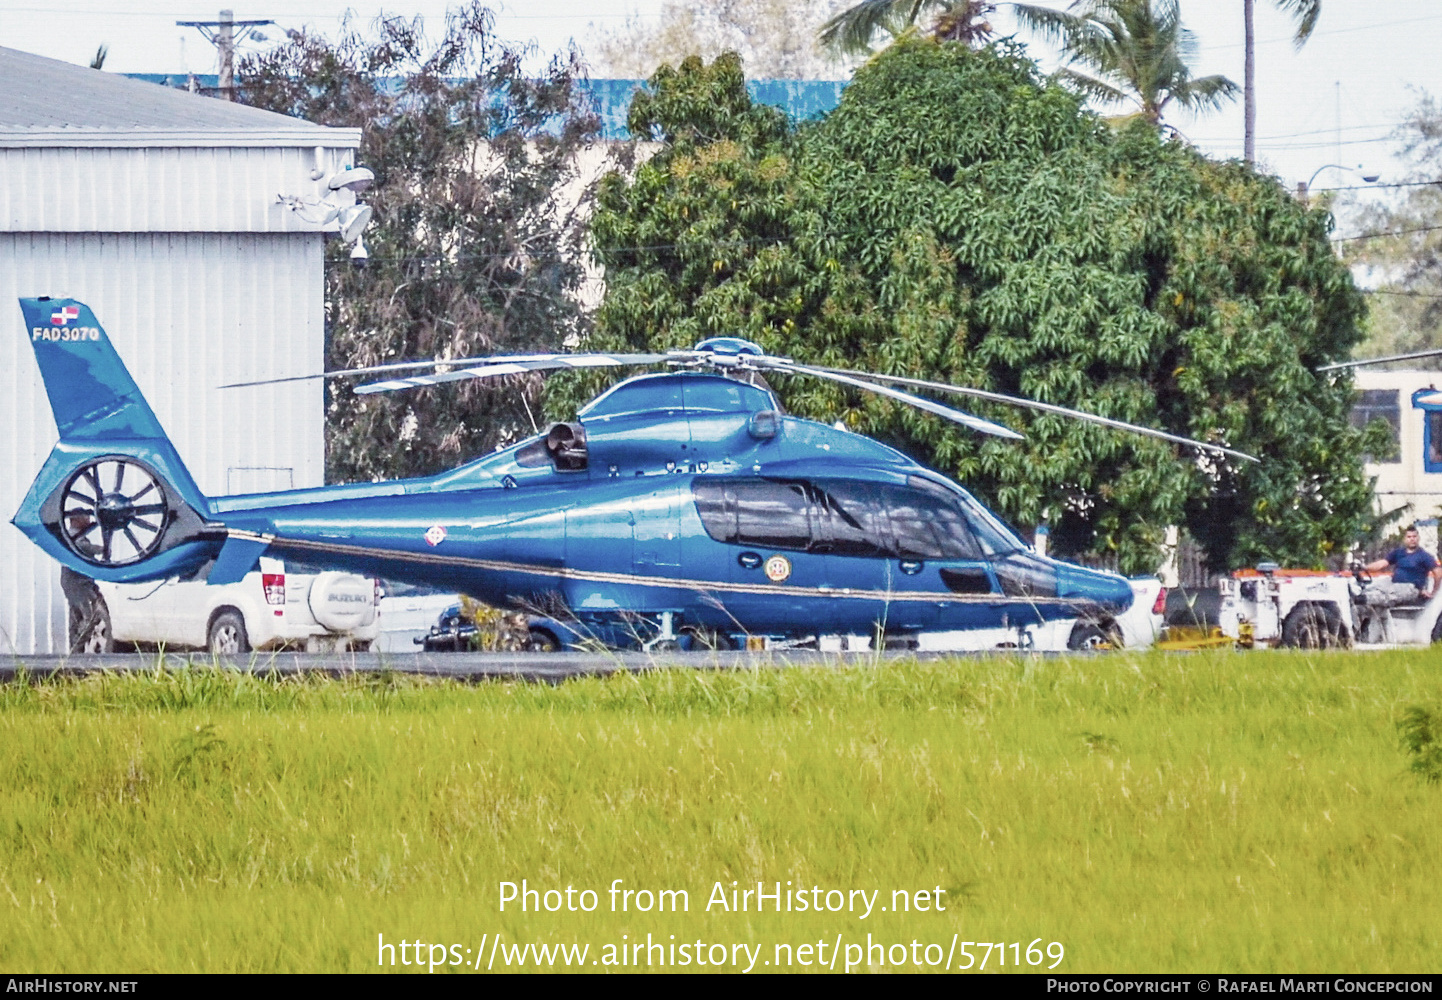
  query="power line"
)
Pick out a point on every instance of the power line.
point(1368, 187)
point(1380, 235)
point(1351, 30)
point(1400, 292)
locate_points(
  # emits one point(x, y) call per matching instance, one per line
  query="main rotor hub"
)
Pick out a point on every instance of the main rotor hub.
point(730, 345)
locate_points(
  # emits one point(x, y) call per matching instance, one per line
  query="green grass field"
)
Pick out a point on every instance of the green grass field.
point(1216, 812)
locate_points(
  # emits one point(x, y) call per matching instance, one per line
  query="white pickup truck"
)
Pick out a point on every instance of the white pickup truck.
point(277, 606)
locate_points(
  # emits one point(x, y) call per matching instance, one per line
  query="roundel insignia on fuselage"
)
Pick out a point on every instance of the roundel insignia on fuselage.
point(778, 568)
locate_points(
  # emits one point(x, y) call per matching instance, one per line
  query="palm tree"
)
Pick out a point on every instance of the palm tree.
point(851, 31)
point(1305, 12)
point(1137, 49)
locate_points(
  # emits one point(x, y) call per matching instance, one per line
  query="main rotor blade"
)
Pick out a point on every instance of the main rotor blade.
point(930, 406)
point(997, 397)
point(516, 365)
point(404, 366)
point(1381, 361)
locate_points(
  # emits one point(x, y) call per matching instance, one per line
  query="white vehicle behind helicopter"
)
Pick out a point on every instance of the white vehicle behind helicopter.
point(1313, 609)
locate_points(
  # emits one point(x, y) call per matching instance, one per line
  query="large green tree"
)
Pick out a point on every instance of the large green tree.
point(963, 219)
point(474, 248)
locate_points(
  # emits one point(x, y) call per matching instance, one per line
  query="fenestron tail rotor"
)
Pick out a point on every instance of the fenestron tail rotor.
point(113, 512)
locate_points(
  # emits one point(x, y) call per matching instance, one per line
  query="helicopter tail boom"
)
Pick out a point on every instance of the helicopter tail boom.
point(113, 501)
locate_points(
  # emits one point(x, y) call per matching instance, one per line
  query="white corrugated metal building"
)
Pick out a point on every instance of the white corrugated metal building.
point(158, 209)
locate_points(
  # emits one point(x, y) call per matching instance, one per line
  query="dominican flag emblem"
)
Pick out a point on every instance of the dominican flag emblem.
point(61, 317)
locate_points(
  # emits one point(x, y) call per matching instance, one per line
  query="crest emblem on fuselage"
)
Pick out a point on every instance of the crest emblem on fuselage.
point(778, 568)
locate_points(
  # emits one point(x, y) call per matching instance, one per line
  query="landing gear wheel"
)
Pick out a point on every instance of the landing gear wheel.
point(1091, 635)
point(98, 637)
point(541, 641)
point(227, 635)
point(1312, 626)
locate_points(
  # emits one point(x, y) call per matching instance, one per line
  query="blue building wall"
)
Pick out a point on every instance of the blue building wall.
point(800, 99)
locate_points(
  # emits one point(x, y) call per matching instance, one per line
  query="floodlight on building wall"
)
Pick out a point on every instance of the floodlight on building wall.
point(353, 179)
point(353, 222)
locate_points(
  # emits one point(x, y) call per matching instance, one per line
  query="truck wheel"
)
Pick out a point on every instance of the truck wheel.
point(1090, 635)
point(227, 635)
point(538, 640)
point(98, 638)
point(1312, 626)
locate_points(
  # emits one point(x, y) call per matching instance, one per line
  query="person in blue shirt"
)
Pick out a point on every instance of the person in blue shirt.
point(1415, 573)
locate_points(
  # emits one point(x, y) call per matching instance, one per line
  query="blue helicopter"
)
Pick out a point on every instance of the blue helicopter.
point(681, 506)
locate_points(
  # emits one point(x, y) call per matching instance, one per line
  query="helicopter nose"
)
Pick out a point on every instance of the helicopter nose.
point(1107, 590)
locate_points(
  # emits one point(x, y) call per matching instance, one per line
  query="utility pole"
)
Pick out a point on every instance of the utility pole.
point(222, 35)
point(1249, 88)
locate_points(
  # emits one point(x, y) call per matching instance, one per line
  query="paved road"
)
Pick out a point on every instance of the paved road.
point(552, 667)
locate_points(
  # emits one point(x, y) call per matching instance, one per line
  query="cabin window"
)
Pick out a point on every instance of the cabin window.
point(838, 516)
point(719, 522)
point(772, 514)
point(761, 512)
point(1025, 576)
point(966, 579)
point(927, 525)
point(850, 518)
point(1384, 404)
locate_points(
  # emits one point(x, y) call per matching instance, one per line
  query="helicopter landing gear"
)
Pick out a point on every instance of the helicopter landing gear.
point(665, 641)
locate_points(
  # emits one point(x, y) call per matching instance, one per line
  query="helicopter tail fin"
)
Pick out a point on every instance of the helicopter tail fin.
point(113, 501)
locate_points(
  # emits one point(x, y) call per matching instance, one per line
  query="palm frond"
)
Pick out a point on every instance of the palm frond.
point(1090, 85)
point(1306, 13)
point(1206, 92)
point(851, 31)
point(1057, 26)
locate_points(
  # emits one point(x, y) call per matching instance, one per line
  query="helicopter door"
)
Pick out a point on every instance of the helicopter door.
point(657, 548)
point(766, 532)
point(937, 552)
point(598, 540)
point(912, 547)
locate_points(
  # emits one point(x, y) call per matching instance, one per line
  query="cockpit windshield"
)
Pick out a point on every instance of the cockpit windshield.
point(920, 520)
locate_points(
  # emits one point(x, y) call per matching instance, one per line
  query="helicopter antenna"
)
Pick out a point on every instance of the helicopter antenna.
point(1381, 361)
